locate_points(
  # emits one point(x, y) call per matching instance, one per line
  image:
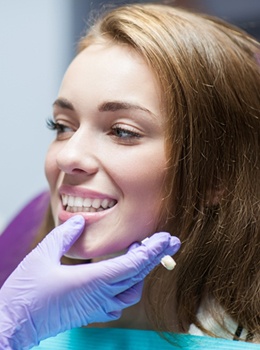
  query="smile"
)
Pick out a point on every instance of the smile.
point(78, 204)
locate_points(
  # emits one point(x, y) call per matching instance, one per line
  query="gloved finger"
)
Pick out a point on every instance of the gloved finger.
point(154, 248)
point(136, 260)
point(60, 239)
point(147, 268)
point(107, 315)
point(127, 282)
point(125, 299)
point(132, 295)
point(114, 315)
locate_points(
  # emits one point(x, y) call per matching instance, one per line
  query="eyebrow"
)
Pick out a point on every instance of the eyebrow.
point(63, 103)
point(113, 106)
point(107, 106)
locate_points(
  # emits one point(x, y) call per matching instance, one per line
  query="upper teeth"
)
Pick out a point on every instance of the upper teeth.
point(79, 202)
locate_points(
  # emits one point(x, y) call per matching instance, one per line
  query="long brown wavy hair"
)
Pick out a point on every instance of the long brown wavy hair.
point(210, 83)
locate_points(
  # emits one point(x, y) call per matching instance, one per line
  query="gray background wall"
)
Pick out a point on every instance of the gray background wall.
point(37, 42)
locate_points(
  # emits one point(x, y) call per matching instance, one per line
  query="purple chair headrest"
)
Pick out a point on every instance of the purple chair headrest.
point(16, 239)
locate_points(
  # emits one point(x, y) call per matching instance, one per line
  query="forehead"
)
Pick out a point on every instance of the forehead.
point(111, 71)
point(104, 60)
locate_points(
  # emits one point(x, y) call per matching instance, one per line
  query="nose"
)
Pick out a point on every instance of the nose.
point(78, 156)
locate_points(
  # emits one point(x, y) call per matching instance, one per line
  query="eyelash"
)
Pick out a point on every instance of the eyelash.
point(129, 134)
point(59, 128)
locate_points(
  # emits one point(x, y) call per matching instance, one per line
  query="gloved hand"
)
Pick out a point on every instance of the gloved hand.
point(42, 298)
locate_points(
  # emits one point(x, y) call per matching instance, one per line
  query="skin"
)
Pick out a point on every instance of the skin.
point(110, 144)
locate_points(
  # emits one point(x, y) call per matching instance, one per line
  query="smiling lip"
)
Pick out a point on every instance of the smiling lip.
point(92, 205)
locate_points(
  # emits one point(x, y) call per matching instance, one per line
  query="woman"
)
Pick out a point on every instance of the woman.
point(157, 124)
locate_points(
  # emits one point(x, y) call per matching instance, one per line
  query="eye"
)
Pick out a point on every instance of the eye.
point(125, 133)
point(58, 127)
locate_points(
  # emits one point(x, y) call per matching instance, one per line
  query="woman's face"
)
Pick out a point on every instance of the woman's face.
point(108, 159)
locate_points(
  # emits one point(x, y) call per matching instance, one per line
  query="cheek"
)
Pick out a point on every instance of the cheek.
point(146, 175)
point(142, 185)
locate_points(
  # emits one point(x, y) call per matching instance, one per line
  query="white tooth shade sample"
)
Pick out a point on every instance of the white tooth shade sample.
point(168, 262)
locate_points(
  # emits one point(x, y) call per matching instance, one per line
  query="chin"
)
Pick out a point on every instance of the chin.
point(94, 254)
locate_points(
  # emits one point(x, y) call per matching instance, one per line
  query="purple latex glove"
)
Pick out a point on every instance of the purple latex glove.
point(42, 298)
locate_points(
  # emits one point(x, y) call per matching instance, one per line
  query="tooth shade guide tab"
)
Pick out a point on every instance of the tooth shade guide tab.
point(168, 262)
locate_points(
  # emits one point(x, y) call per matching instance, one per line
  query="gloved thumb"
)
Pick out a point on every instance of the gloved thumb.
point(60, 239)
